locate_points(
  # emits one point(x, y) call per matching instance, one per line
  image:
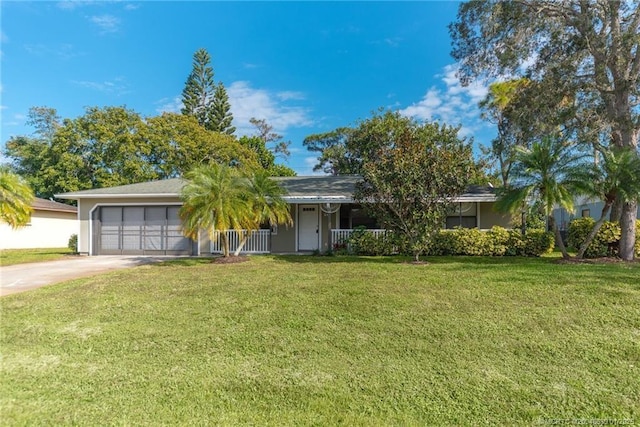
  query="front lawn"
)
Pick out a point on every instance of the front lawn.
point(22, 256)
point(303, 340)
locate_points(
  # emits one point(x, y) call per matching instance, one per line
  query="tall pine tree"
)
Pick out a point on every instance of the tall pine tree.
point(205, 100)
point(199, 89)
point(222, 119)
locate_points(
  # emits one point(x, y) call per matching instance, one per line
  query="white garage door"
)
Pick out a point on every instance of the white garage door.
point(140, 230)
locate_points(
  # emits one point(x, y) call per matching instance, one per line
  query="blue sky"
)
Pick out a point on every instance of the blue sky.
point(305, 67)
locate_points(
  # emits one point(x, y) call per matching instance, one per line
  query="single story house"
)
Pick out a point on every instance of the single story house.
point(50, 226)
point(143, 218)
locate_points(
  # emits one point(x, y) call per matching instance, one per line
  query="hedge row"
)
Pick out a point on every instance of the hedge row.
point(496, 242)
point(606, 241)
point(460, 241)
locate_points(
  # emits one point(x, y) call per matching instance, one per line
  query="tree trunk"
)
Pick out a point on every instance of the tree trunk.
point(628, 229)
point(225, 244)
point(416, 256)
point(594, 231)
point(559, 242)
point(245, 237)
point(616, 210)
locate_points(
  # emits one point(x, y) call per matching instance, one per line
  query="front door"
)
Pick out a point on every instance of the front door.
point(308, 227)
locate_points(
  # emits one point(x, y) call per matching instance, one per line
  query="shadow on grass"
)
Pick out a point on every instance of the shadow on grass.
point(398, 259)
point(184, 261)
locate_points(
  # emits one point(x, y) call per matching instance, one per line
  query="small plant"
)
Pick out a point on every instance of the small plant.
point(73, 243)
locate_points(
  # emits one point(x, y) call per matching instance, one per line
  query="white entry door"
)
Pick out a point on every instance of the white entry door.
point(308, 227)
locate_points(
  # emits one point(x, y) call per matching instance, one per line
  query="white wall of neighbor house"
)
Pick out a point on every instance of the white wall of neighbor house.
point(47, 229)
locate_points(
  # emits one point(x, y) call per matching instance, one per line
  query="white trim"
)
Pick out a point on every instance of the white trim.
point(125, 204)
point(320, 248)
point(297, 224)
point(478, 215)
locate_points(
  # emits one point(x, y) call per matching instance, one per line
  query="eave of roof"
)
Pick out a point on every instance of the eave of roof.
point(300, 189)
point(51, 206)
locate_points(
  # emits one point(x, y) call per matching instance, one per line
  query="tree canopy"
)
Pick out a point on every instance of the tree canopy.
point(115, 146)
point(15, 199)
point(218, 198)
point(412, 172)
point(205, 100)
point(583, 56)
point(545, 173)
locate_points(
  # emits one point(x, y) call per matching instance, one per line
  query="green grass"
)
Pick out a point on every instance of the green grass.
point(326, 341)
point(22, 256)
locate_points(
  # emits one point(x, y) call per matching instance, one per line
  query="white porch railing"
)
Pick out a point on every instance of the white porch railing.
point(257, 243)
point(340, 235)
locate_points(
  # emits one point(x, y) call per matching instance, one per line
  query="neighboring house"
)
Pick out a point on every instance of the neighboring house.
point(584, 207)
point(143, 218)
point(50, 226)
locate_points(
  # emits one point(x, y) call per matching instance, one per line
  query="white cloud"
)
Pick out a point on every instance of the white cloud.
point(290, 95)
point(307, 169)
point(3, 107)
point(63, 51)
point(73, 4)
point(247, 102)
point(132, 6)
point(3, 37)
point(454, 104)
point(106, 23)
point(169, 105)
point(117, 86)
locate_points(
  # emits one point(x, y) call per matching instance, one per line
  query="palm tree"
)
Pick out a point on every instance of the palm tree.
point(219, 198)
point(544, 173)
point(215, 200)
point(266, 203)
point(15, 199)
point(617, 176)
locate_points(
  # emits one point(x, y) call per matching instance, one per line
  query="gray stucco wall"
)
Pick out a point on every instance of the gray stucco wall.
point(285, 240)
point(563, 217)
point(489, 217)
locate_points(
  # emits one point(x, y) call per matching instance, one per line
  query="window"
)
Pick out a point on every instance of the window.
point(586, 213)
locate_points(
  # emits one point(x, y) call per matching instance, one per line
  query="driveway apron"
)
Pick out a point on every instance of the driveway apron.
point(23, 277)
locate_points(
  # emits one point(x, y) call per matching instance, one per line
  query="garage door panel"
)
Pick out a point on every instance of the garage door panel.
point(141, 230)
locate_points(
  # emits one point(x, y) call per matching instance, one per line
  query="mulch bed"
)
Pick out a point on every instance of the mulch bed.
point(230, 259)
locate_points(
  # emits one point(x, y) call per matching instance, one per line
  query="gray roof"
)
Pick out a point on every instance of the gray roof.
point(162, 188)
point(319, 188)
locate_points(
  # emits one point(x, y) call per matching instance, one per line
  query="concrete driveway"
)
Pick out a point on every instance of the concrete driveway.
point(23, 277)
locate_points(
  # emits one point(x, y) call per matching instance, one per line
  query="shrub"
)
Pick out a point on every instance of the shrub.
point(637, 245)
point(73, 243)
point(605, 243)
point(362, 242)
point(495, 242)
point(537, 242)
